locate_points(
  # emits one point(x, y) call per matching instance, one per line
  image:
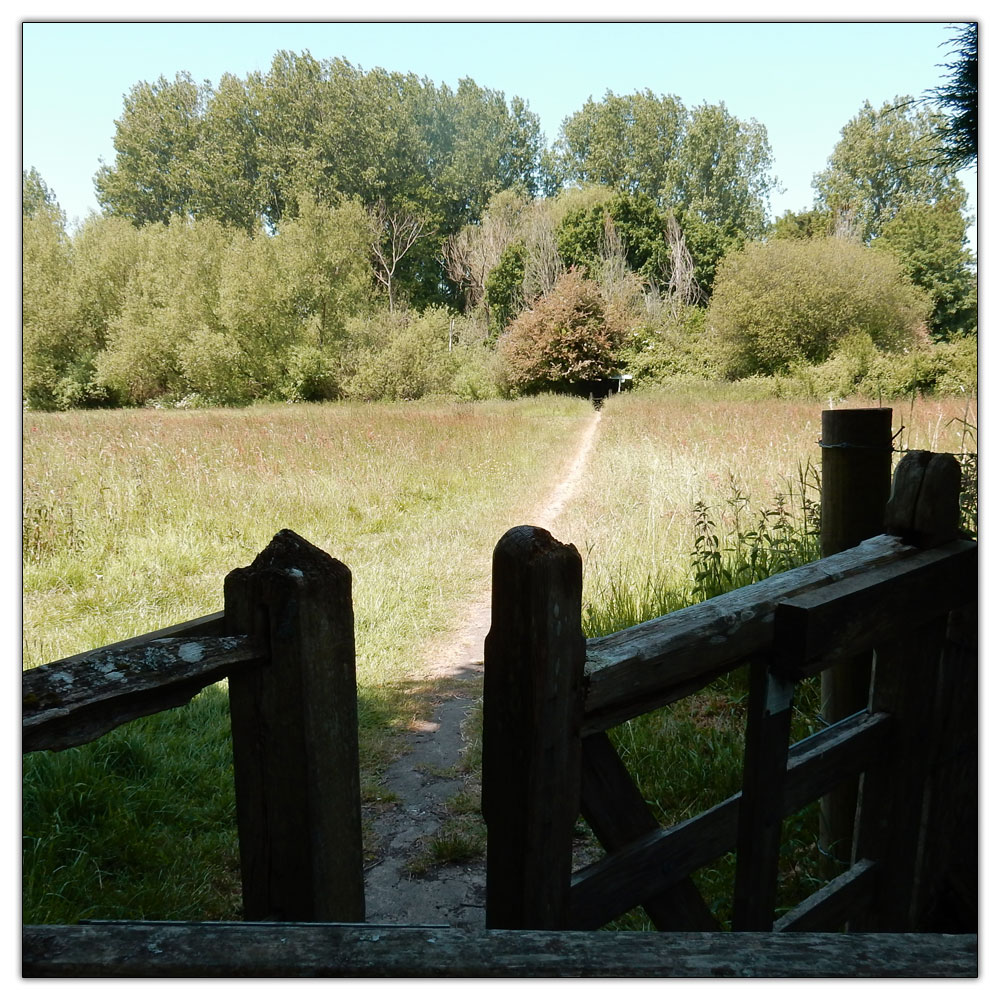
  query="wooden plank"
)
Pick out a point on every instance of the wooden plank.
point(76, 700)
point(638, 669)
point(343, 950)
point(827, 625)
point(531, 729)
point(765, 762)
point(837, 902)
point(617, 813)
point(295, 736)
point(652, 863)
point(894, 790)
point(206, 625)
point(819, 762)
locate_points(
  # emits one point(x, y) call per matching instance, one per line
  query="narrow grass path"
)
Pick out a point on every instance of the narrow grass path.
point(429, 867)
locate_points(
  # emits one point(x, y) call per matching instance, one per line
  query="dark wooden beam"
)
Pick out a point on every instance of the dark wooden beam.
point(348, 950)
point(645, 667)
point(295, 736)
point(617, 813)
point(654, 862)
point(829, 908)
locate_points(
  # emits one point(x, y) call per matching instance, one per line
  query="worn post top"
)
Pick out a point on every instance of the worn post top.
point(290, 552)
point(526, 541)
point(923, 508)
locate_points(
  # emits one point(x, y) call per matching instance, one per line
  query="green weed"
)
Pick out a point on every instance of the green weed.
point(759, 543)
point(459, 838)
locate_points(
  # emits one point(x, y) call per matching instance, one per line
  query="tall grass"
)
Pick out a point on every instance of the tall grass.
point(131, 520)
point(669, 468)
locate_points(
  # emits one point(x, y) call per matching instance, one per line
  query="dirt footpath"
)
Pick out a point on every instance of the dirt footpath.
point(421, 781)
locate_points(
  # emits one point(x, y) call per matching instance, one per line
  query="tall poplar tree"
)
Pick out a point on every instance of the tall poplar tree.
point(885, 159)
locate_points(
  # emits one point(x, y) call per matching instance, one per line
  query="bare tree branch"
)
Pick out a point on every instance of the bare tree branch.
point(683, 289)
point(395, 231)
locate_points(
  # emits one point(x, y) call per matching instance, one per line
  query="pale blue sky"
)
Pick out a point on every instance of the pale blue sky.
point(802, 80)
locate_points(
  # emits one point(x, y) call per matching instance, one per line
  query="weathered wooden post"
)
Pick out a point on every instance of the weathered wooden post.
point(532, 711)
point(896, 800)
point(295, 736)
point(856, 481)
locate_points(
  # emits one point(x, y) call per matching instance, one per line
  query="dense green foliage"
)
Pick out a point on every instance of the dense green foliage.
point(245, 152)
point(928, 240)
point(884, 161)
point(888, 186)
point(297, 234)
point(242, 152)
point(704, 161)
point(629, 224)
point(958, 135)
point(787, 303)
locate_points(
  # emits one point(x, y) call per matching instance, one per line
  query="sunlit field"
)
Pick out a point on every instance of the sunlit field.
point(133, 518)
point(659, 456)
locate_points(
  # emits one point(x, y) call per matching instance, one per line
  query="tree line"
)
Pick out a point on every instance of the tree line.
point(320, 231)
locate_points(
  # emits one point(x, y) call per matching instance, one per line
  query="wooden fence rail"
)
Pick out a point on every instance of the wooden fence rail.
point(285, 641)
point(371, 950)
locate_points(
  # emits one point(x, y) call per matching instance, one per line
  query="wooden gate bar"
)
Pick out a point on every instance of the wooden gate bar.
point(644, 667)
point(309, 950)
point(617, 813)
point(76, 700)
point(765, 761)
point(656, 861)
point(829, 908)
point(819, 628)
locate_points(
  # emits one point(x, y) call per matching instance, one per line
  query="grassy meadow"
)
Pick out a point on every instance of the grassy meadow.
point(659, 457)
point(133, 518)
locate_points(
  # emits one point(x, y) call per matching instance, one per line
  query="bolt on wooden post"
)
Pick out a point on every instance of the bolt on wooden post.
point(856, 482)
point(295, 736)
point(532, 711)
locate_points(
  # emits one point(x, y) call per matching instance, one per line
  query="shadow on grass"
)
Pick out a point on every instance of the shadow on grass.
point(141, 823)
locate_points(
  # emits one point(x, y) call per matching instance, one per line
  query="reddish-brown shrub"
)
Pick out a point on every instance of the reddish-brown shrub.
point(566, 337)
